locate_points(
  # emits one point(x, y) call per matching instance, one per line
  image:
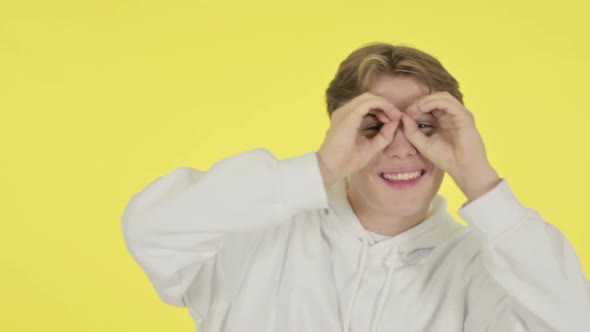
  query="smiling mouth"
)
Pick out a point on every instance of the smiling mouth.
point(402, 176)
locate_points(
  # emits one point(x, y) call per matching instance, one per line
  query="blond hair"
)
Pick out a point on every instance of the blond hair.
point(358, 70)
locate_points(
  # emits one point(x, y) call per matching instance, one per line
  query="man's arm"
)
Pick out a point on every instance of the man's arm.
point(195, 229)
point(528, 277)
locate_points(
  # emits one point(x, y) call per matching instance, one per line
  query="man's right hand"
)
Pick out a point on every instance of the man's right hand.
point(345, 149)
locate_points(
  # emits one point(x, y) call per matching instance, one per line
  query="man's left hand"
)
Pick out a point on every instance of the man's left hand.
point(455, 146)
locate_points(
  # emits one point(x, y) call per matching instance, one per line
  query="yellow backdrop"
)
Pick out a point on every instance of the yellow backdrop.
point(99, 98)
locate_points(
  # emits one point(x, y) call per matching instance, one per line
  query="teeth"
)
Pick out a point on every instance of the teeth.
point(401, 176)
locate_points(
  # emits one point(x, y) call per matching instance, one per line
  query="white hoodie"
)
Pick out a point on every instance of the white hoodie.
point(258, 244)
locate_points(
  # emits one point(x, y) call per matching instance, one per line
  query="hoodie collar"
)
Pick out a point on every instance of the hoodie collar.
point(438, 226)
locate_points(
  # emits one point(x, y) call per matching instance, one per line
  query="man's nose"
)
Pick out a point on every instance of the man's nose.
point(400, 146)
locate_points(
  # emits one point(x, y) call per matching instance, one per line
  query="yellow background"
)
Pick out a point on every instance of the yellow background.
point(99, 98)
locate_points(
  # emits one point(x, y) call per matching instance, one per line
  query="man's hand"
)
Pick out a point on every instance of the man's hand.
point(345, 150)
point(455, 146)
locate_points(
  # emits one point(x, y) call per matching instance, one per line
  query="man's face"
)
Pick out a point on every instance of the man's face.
point(386, 185)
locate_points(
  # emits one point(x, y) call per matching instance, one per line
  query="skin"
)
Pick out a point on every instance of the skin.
point(399, 123)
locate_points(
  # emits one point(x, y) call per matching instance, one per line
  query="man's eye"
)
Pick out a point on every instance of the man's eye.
point(426, 128)
point(425, 125)
point(375, 127)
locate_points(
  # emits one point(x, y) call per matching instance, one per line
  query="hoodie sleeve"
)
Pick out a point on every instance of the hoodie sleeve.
point(195, 229)
point(530, 278)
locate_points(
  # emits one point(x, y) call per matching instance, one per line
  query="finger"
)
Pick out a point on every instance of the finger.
point(343, 110)
point(433, 105)
point(387, 108)
point(438, 95)
point(438, 114)
point(367, 98)
point(393, 113)
point(412, 133)
point(441, 104)
point(381, 104)
point(385, 135)
point(414, 111)
point(445, 95)
point(380, 115)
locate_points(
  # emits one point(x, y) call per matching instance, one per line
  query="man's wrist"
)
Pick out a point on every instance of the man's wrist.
point(328, 176)
point(478, 182)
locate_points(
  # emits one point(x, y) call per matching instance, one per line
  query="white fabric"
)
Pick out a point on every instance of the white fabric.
point(258, 244)
point(377, 237)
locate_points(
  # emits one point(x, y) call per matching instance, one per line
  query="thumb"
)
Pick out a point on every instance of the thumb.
point(412, 133)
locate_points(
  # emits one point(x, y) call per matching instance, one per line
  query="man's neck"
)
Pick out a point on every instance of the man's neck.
point(382, 223)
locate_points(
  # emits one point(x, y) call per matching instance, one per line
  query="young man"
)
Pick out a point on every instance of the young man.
point(354, 237)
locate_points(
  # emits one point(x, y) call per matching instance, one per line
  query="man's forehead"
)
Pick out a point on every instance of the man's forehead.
point(402, 91)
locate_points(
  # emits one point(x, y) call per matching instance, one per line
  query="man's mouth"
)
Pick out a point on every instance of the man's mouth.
point(402, 176)
point(402, 180)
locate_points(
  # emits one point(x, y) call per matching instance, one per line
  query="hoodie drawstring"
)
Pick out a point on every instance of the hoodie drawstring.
point(384, 293)
point(357, 283)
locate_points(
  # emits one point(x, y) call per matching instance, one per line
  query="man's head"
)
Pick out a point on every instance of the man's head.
point(400, 74)
point(356, 73)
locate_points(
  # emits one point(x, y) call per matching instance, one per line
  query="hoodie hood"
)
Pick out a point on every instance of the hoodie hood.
point(405, 248)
